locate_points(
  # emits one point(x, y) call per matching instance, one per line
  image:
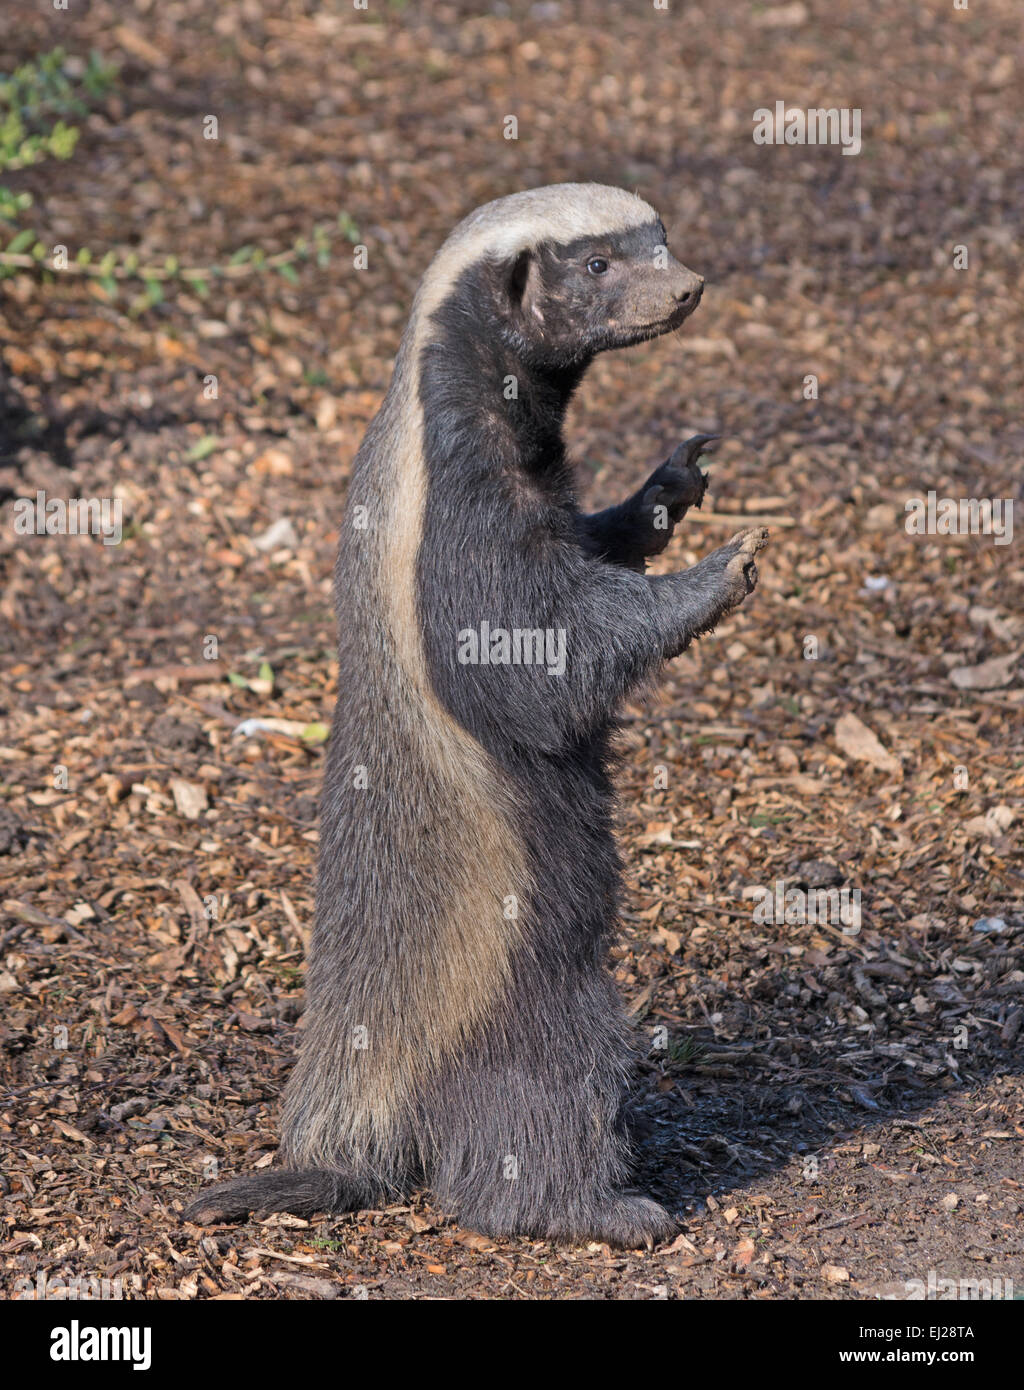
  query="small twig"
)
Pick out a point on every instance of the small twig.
point(740, 519)
point(102, 269)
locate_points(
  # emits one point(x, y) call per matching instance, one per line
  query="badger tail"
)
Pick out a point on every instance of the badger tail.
point(298, 1191)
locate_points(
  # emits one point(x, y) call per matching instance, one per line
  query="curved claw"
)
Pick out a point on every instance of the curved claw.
point(691, 449)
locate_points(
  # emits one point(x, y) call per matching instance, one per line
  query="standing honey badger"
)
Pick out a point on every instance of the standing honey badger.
point(462, 1028)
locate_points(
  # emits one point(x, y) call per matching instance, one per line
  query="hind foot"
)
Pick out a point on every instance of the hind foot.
point(629, 1222)
point(624, 1220)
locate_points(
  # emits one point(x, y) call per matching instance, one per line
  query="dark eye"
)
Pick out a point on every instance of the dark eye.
point(597, 265)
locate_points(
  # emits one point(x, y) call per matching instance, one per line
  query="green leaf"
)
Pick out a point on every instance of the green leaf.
point(266, 672)
point(315, 733)
point(21, 242)
point(202, 448)
point(240, 681)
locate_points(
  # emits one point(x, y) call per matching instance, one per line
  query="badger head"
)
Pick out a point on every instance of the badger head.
point(568, 271)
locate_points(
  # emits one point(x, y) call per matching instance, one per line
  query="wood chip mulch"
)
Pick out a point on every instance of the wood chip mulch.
point(831, 1112)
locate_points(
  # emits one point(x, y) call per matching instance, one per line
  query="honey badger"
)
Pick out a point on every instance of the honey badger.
point(462, 1028)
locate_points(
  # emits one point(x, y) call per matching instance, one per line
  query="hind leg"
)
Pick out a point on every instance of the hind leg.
point(527, 1136)
point(528, 1185)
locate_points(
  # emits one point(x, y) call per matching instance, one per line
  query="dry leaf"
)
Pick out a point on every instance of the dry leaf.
point(857, 741)
point(991, 825)
point(70, 1132)
point(671, 940)
point(989, 675)
point(273, 463)
point(189, 797)
point(657, 832)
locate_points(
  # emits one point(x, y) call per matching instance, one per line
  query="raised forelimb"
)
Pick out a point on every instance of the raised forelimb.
point(592, 641)
point(641, 527)
point(696, 600)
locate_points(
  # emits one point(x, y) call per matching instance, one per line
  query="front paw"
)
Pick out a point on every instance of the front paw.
point(679, 484)
point(740, 566)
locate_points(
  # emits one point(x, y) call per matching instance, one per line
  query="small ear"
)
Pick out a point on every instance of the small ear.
point(520, 275)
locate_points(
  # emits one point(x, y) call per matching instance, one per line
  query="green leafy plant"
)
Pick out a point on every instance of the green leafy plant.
point(34, 101)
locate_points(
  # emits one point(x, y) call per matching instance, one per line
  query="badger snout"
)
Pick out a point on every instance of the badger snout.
point(667, 295)
point(685, 289)
point(688, 295)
